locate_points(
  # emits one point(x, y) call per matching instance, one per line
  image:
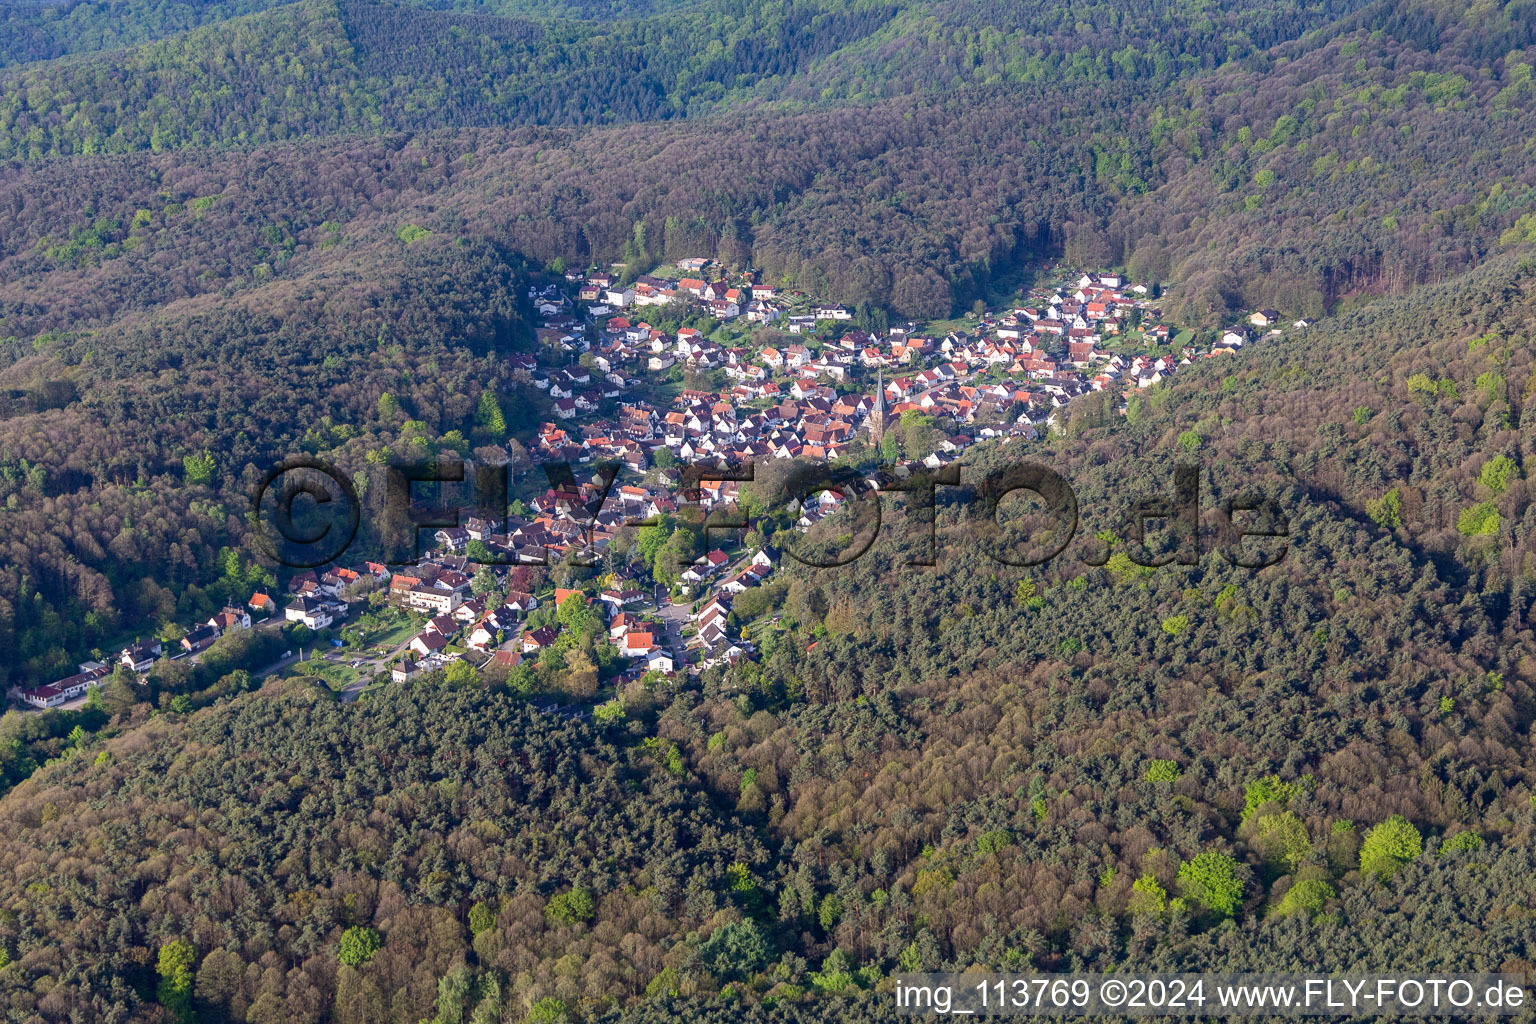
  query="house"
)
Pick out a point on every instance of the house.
point(744, 581)
point(141, 656)
point(306, 580)
point(452, 537)
point(231, 618)
point(262, 603)
point(712, 631)
point(481, 529)
point(470, 611)
point(538, 639)
point(637, 645)
point(200, 638)
point(46, 696)
point(62, 691)
point(621, 598)
point(658, 661)
point(428, 642)
point(308, 611)
point(720, 604)
point(1265, 317)
point(505, 660)
point(438, 600)
point(483, 635)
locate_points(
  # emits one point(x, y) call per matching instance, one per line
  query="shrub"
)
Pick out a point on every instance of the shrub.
point(175, 989)
point(932, 880)
point(830, 913)
point(1491, 387)
point(198, 469)
point(667, 983)
point(835, 974)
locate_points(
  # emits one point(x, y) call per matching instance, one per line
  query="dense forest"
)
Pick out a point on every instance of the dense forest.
point(1252, 164)
point(235, 231)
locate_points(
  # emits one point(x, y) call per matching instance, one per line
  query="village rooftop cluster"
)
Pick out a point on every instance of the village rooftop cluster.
point(794, 378)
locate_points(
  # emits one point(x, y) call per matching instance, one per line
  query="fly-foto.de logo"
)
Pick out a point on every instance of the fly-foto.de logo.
point(306, 513)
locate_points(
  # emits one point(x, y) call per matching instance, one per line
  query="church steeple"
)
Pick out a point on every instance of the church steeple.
point(877, 414)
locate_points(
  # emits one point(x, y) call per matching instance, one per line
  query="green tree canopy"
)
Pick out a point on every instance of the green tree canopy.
point(1390, 845)
point(1211, 878)
point(358, 945)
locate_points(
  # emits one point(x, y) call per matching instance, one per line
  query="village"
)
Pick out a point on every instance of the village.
point(732, 371)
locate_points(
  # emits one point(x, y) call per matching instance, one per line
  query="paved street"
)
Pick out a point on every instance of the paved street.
point(674, 616)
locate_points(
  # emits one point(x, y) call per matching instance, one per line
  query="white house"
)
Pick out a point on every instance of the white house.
point(141, 657)
point(637, 645)
point(310, 612)
point(428, 643)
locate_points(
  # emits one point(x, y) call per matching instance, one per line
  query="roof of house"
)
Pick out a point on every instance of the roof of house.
point(505, 658)
point(431, 641)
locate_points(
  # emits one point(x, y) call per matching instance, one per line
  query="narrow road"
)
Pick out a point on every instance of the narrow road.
point(673, 617)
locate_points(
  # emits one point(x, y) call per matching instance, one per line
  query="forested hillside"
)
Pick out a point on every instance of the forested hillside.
point(972, 766)
point(127, 282)
point(231, 232)
point(1381, 152)
point(360, 65)
point(1376, 154)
